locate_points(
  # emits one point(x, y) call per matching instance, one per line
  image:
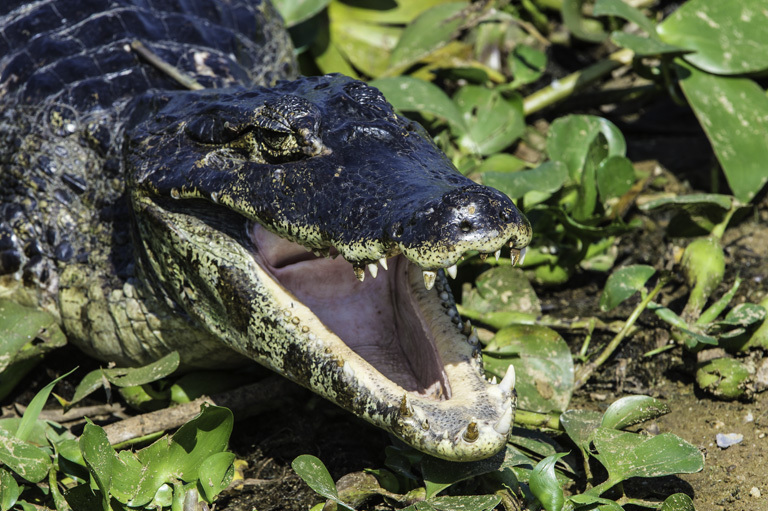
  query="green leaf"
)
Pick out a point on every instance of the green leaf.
point(623, 283)
point(545, 486)
point(215, 474)
point(535, 185)
point(526, 64)
point(644, 46)
point(314, 473)
point(542, 361)
point(90, 383)
point(493, 121)
point(615, 176)
point(34, 408)
point(583, 28)
point(502, 288)
point(734, 115)
point(296, 11)
point(579, 425)
point(631, 410)
point(728, 37)
point(586, 202)
point(570, 138)
point(9, 490)
point(465, 502)
point(691, 202)
point(367, 46)
point(411, 94)
point(385, 11)
point(623, 10)
point(439, 474)
point(429, 31)
point(134, 376)
point(678, 502)
point(205, 435)
point(99, 457)
point(627, 455)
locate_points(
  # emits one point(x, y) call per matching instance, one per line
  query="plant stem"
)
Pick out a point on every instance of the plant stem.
point(538, 420)
point(583, 374)
point(565, 87)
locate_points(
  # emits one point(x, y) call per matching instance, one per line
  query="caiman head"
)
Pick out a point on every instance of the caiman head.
point(310, 228)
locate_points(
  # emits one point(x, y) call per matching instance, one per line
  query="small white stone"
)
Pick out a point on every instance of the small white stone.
point(725, 440)
point(755, 492)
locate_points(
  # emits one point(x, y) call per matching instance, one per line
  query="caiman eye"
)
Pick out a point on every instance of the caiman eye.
point(289, 129)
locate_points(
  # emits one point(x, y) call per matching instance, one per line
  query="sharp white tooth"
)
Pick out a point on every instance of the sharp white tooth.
point(473, 339)
point(467, 329)
point(494, 381)
point(429, 278)
point(383, 263)
point(522, 256)
point(508, 382)
point(359, 273)
point(373, 269)
point(497, 254)
point(515, 255)
point(451, 271)
point(505, 423)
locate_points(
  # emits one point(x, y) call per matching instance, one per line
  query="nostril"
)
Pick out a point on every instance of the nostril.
point(465, 226)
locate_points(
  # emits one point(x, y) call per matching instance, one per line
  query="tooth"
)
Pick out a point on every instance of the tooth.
point(522, 255)
point(472, 339)
point(508, 382)
point(373, 269)
point(383, 263)
point(359, 273)
point(406, 410)
point(467, 328)
point(471, 433)
point(483, 257)
point(494, 381)
point(429, 278)
point(505, 423)
point(497, 254)
point(451, 270)
point(515, 255)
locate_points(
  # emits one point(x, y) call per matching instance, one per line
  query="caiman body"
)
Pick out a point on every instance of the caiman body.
point(297, 222)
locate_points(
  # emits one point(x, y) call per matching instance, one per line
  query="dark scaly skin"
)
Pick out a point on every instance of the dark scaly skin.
point(140, 215)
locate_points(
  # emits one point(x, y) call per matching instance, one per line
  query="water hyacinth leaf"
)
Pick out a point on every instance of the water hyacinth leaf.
point(99, 457)
point(691, 202)
point(626, 455)
point(644, 46)
point(317, 477)
point(579, 425)
point(678, 502)
point(296, 11)
point(384, 12)
point(9, 490)
point(465, 502)
point(570, 138)
point(587, 499)
point(734, 114)
point(545, 485)
point(216, 473)
point(526, 64)
point(584, 28)
point(366, 46)
point(631, 410)
point(542, 361)
point(502, 288)
point(494, 122)
point(623, 10)
point(534, 185)
point(502, 163)
point(439, 474)
point(615, 176)
point(744, 315)
point(19, 326)
point(205, 435)
point(725, 378)
point(28, 461)
point(586, 201)
point(727, 37)
point(623, 283)
point(414, 95)
point(134, 376)
point(432, 29)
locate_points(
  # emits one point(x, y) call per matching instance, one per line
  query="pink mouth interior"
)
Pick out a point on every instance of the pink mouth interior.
point(378, 318)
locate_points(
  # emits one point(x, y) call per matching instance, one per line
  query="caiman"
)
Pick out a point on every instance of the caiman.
point(297, 222)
